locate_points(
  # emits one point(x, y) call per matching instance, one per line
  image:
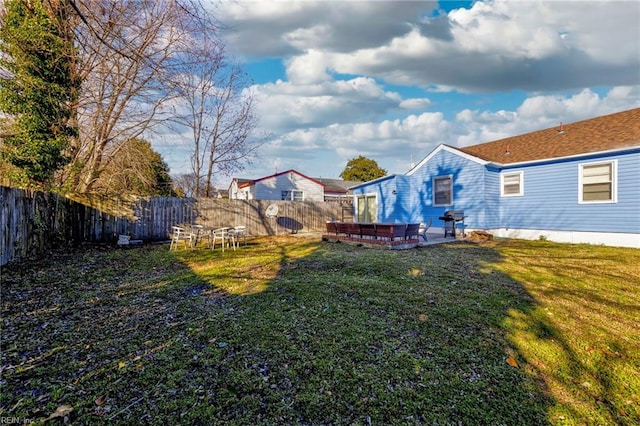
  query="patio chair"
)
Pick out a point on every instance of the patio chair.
point(424, 227)
point(226, 237)
point(412, 231)
point(342, 228)
point(368, 230)
point(181, 233)
point(332, 228)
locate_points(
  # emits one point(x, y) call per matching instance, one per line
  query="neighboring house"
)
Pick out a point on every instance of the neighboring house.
point(577, 182)
point(337, 189)
point(288, 185)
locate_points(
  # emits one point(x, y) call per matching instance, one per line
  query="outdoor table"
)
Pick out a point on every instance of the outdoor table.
point(225, 235)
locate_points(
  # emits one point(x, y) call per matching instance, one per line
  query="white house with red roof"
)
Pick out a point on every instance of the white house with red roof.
point(289, 185)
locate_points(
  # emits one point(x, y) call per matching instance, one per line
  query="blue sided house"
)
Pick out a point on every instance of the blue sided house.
point(577, 183)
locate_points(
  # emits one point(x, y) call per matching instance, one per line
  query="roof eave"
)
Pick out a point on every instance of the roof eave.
point(568, 157)
point(449, 148)
point(380, 179)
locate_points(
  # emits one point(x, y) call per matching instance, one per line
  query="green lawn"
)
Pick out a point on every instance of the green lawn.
point(291, 330)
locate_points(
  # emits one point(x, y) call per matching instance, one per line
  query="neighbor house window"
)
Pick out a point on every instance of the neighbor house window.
point(443, 190)
point(511, 184)
point(292, 195)
point(598, 182)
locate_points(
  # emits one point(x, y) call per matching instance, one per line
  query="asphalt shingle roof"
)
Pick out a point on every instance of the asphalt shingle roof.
point(608, 132)
point(337, 185)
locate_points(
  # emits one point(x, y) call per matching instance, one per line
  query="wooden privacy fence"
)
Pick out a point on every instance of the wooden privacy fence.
point(31, 222)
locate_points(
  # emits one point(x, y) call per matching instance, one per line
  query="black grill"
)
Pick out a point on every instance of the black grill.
point(453, 219)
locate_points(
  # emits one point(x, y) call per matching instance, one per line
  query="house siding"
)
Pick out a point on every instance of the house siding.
point(409, 198)
point(233, 189)
point(491, 199)
point(468, 189)
point(628, 212)
point(271, 188)
point(244, 193)
point(385, 199)
point(247, 193)
point(550, 165)
point(550, 200)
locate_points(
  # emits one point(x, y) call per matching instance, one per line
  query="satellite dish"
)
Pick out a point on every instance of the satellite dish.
point(271, 211)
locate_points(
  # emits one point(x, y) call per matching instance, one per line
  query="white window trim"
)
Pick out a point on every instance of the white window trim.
point(433, 186)
point(503, 175)
point(614, 182)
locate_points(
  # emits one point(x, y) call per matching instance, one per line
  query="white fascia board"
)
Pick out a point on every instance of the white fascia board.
point(380, 179)
point(447, 148)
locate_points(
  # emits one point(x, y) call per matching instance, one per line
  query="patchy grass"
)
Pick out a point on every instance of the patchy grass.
point(582, 337)
point(294, 331)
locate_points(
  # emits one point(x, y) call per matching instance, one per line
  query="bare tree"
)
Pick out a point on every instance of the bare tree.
point(194, 88)
point(133, 58)
point(217, 104)
point(185, 185)
point(129, 52)
point(232, 139)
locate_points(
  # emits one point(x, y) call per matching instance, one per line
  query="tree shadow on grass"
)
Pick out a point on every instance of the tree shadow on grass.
point(580, 334)
point(98, 329)
point(296, 332)
point(80, 327)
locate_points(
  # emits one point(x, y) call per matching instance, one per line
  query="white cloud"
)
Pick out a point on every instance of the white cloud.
point(308, 69)
point(395, 143)
point(287, 105)
point(273, 28)
point(415, 103)
point(384, 139)
point(323, 150)
point(511, 29)
point(499, 45)
point(541, 112)
point(556, 52)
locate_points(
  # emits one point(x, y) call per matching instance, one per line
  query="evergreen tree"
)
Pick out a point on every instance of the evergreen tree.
point(38, 88)
point(135, 169)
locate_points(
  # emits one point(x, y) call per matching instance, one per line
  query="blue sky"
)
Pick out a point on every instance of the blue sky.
point(390, 80)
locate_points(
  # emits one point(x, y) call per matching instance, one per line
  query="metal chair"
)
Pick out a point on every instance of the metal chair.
point(424, 227)
point(225, 236)
point(198, 232)
point(180, 233)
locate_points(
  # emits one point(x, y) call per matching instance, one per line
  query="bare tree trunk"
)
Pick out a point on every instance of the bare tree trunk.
point(129, 52)
point(209, 177)
point(223, 123)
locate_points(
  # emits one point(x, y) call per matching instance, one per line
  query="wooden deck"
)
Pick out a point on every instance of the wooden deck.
point(371, 243)
point(393, 236)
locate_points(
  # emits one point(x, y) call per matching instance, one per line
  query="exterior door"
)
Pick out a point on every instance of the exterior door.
point(367, 208)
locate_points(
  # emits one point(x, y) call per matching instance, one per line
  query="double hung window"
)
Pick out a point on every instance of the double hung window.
point(511, 184)
point(442, 190)
point(598, 182)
